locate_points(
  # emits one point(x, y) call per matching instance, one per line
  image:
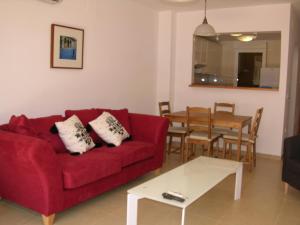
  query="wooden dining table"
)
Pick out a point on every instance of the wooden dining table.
point(219, 119)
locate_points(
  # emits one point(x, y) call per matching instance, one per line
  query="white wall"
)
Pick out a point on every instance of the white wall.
point(164, 56)
point(119, 57)
point(293, 86)
point(244, 19)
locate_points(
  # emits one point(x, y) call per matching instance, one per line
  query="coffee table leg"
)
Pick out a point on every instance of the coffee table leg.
point(183, 216)
point(132, 209)
point(238, 183)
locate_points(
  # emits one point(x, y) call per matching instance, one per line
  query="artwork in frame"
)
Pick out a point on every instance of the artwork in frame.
point(66, 47)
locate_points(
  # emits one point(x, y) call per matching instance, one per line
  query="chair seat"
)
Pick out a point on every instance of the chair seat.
point(234, 136)
point(177, 130)
point(221, 130)
point(201, 135)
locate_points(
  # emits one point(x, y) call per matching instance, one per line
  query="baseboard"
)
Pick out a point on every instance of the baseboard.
point(260, 155)
point(267, 156)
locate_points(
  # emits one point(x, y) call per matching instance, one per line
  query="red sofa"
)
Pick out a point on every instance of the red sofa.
point(38, 173)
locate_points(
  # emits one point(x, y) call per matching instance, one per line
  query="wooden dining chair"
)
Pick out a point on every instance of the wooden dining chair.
point(173, 131)
point(221, 107)
point(199, 126)
point(249, 140)
point(226, 109)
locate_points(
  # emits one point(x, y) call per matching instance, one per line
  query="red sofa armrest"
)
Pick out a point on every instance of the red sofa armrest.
point(30, 173)
point(151, 129)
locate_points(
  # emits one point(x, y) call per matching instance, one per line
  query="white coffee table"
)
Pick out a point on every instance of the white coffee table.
point(192, 180)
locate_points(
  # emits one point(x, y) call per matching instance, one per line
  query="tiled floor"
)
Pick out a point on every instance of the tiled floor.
point(263, 203)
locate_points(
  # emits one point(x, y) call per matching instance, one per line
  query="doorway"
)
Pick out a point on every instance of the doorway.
point(249, 66)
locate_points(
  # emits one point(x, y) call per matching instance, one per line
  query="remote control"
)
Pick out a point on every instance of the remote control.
point(177, 194)
point(172, 197)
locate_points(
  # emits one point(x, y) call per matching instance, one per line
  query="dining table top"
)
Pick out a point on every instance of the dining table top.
point(222, 119)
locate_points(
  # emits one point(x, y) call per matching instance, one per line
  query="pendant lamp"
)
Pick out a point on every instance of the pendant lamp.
point(205, 29)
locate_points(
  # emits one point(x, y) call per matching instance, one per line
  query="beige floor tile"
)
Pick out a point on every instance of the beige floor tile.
point(282, 220)
point(290, 209)
point(293, 194)
point(263, 203)
point(209, 209)
point(15, 215)
point(174, 218)
point(151, 212)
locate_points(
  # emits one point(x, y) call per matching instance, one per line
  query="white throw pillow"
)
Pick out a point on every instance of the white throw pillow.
point(109, 129)
point(74, 135)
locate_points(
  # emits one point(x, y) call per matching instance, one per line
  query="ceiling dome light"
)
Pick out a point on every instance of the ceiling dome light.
point(235, 35)
point(180, 1)
point(246, 38)
point(52, 1)
point(204, 29)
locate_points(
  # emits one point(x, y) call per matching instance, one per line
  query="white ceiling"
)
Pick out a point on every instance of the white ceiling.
point(213, 4)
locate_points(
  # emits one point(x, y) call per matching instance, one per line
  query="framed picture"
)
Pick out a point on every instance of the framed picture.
point(66, 47)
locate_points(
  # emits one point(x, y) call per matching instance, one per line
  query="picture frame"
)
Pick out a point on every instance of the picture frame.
point(67, 45)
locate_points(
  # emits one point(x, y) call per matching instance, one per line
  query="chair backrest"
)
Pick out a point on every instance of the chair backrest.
point(255, 124)
point(164, 108)
point(199, 119)
point(224, 107)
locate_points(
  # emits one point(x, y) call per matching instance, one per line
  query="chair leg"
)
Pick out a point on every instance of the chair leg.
point(224, 149)
point(170, 145)
point(209, 149)
point(254, 154)
point(190, 151)
point(193, 150)
point(218, 146)
point(286, 187)
point(212, 149)
point(182, 148)
point(230, 150)
point(186, 151)
point(48, 220)
point(249, 153)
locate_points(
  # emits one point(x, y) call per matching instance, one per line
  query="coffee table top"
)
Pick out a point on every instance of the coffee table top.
point(192, 180)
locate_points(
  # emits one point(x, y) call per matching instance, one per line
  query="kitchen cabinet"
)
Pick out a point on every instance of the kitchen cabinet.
point(200, 53)
point(213, 58)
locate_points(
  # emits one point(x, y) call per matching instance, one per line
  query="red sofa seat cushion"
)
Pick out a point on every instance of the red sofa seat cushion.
point(89, 167)
point(132, 151)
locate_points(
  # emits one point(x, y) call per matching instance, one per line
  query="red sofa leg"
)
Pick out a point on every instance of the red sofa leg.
point(48, 220)
point(157, 171)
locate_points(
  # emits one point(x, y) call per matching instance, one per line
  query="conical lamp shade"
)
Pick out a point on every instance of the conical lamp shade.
point(205, 30)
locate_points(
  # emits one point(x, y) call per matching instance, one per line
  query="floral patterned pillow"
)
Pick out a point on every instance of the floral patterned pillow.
point(74, 135)
point(109, 129)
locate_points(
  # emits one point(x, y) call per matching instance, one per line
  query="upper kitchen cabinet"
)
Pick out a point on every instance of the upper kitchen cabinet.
point(200, 51)
point(213, 58)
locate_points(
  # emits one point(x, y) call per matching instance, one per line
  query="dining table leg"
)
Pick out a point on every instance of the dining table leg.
point(239, 144)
